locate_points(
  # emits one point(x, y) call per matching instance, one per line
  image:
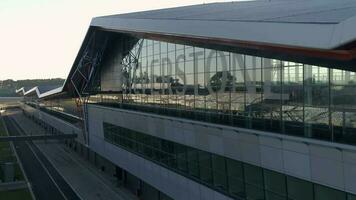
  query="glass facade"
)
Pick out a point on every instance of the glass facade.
point(241, 90)
point(230, 177)
point(66, 109)
point(69, 106)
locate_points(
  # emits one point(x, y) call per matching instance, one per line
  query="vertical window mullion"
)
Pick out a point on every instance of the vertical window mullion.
point(331, 127)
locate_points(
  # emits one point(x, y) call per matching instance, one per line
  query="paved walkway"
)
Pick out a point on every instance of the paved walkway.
point(87, 181)
point(43, 184)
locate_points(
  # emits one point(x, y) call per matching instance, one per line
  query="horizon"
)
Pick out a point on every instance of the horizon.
point(26, 79)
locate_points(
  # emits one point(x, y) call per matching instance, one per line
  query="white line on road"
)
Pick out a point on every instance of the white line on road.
point(46, 170)
point(19, 161)
point(49, 160)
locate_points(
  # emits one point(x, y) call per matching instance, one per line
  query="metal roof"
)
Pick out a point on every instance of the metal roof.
point(23, 90)
point(46, 88)
point(40, 91)
point(324, 24)
point(322, 29)
point(51, 92)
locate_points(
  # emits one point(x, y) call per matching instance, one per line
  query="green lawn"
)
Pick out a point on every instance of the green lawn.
point(22, 194)
point(6, 154)
point(2, 127)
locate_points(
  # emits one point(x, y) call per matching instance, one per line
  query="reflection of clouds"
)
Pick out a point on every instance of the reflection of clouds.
point(195, 78)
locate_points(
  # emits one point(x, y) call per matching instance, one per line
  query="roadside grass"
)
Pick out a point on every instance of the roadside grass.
point(7, 155)
point(22, 194)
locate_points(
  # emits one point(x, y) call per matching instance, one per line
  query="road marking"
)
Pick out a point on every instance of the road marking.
point(47, 171)
point(14, 149)
point(80, 197)
point(94, 172)
point(59, 189)
point(74, 190)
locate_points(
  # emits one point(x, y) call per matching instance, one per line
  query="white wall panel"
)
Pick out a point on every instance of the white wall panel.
point(272, 158)
point(350, 174)
point(250, 152)
point(327, 171)
point(321, 162)
point(297, 164)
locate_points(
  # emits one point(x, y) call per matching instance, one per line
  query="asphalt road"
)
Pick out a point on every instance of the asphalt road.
point(46, 182)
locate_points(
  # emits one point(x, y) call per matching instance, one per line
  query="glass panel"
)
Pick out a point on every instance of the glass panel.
point(219, 171)
point(181, 155)
point(172, 59)
point(168, 156)
point(157, 48)
point(343, 107)
point(316, 100)
point(223, 61)
point(164, 47)
point(132, 182)
point(235, 178)
point(210, 60)
point(254, 182)
point(351, 197)
point(205, 166)
point(200, 66)
point(189, 67)
point(272, 95)
point(293, 98)
point(149, 192)
point(252, 62)
point(275, 185)
point(237, 62)
point(324, 193)
point(189, 53)
point(171, 47)
point(200, 81)
point(193, 162)
point(299, 189)
point(254, 98)
point(179, 47)
point(239, 179)
point(199, 56)
point(149, 47)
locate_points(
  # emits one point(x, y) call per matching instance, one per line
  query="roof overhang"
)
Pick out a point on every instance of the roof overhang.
point(337, 58)
point(36, 93)
point(21, 91)
point(298, 33)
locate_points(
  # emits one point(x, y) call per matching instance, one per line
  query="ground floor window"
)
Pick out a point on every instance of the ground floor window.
point(230, 177)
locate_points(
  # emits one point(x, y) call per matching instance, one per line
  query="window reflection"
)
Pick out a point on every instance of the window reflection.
point(230, 177)
point(246, 91)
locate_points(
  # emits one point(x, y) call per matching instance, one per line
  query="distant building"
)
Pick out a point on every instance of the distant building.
point(238, 100)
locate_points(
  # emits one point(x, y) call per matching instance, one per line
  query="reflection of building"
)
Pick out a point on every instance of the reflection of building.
point(249, 100)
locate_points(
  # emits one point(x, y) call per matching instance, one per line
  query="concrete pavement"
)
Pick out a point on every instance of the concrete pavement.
point(85, 179)
point(43, 185)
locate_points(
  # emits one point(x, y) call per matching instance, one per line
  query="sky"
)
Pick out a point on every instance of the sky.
point(41, 38)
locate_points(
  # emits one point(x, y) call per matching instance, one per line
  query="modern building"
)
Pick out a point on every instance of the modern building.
point(238, 100)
